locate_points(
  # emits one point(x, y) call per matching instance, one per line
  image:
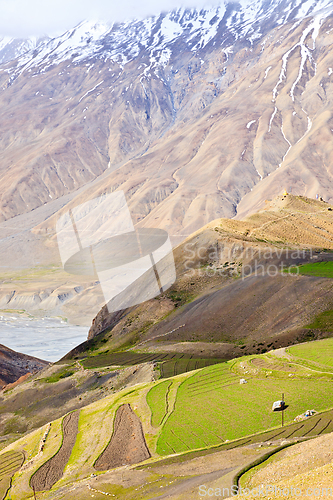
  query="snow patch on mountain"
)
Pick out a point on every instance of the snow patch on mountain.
point(78, 40)
point(12, 48)
point(313, 27)
point(158, 36)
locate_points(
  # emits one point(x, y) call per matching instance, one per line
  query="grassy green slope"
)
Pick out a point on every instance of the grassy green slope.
point(320, 269)
point(212, 406)
point(323, 322)
point(319, 352)
point(157, 399)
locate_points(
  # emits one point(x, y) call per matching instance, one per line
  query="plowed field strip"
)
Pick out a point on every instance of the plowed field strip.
point(52, 470)
point(312, 428)
point(10, 463)
point(127, 444)
point(324, 429)
point(293, 432)
point(10, 467)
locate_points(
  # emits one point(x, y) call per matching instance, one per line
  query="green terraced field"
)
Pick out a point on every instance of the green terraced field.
point(10, 462)
point(196, 413)
point(171, 364)
point(212, 406)
point(320, 352)
point(157, 398)
point(320, 269)
point(313, 426)
point(184, 365)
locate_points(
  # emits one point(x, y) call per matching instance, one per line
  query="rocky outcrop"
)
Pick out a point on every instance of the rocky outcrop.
point(105, 320)
point(14, 365)
point(213, 301)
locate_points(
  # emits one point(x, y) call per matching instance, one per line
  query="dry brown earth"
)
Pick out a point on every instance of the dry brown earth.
point(128, 445)
point(287, 221)
point(260, 310)
point(50, 472)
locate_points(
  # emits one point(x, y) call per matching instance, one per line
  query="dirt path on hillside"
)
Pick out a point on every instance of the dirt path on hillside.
point(273, 221)
point(193, 482)
point(282, 353)
point(292, 214)
point(53, 469)
point(128, 445)
point(305, 465)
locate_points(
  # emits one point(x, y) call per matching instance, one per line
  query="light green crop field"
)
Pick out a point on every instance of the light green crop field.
point(320, 269)
point(212, 406)
point(320, 351)
point(157, 399)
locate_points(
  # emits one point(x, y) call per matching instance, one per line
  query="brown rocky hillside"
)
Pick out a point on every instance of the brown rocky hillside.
point(229, 288)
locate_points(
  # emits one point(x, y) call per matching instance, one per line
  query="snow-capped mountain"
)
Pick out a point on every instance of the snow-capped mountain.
point(194, 114)
point(13, 48)
point(159, 35)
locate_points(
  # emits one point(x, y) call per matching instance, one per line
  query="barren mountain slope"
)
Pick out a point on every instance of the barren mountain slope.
point(286, 222)
point(230, 289)
point(197, 115)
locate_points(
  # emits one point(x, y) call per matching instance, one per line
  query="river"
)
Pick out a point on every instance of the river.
point(46, 338)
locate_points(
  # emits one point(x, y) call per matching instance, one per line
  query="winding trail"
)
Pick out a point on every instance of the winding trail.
point(193, 482)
